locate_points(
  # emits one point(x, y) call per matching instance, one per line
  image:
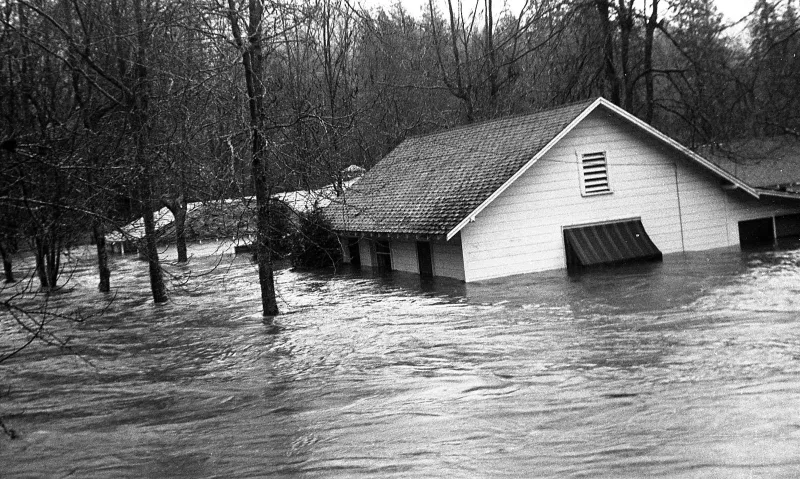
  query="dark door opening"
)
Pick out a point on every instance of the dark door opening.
point(787, 226)
point(424, 258)
point(573, 262)
point(353, 250)
point(383, 256)
point(754, 233)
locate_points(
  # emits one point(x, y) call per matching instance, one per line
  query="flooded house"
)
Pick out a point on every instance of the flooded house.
point(571, 187)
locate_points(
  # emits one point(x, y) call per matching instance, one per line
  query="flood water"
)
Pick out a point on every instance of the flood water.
point(688, 368)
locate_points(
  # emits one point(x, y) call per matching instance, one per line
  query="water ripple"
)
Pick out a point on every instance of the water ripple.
point(686, 368)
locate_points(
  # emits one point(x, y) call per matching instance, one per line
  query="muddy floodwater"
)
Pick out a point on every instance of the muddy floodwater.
point(687, 368)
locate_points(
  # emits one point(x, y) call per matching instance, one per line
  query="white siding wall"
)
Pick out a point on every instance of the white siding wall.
point(365, 249)
point(448, 259)
point(521, 231)
point(404, 256)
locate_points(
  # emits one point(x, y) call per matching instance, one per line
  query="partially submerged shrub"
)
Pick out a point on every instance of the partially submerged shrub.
point(314, 244)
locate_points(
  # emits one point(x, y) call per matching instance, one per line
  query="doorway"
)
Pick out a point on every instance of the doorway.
point(425, 259)
point(755, 233)
point(354, 252)
point(383, 256)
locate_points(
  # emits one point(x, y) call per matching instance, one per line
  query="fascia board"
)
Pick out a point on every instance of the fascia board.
point(778, 194)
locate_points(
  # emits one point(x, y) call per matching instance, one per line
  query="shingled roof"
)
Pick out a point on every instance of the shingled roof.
point(433, 185)
point(428, 184)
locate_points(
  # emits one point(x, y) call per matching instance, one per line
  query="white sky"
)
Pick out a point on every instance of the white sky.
point(733, 10)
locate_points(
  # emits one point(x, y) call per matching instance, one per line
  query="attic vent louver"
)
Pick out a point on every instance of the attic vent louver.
point(594, 174)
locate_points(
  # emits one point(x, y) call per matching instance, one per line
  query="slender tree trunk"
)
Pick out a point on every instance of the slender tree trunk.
point(464, 88)
point(269, 302)
point(180, 234)
point(491, 54)
point(178, 208)
point(652, 23)
point(7, 269)
point(625, 14)
point(252, 60)
point(102, 257)
point(151, 253)
point(53, 262)
point(48, 261)
point(140, 124)
point(612, 82)
point(39, 254)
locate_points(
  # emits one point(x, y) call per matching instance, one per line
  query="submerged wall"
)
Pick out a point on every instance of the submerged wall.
point(446, 256)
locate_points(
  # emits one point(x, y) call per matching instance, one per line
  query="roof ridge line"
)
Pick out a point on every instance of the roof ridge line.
point(587, 102)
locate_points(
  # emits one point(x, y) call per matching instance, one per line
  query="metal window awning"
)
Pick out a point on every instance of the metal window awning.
point(609, 243)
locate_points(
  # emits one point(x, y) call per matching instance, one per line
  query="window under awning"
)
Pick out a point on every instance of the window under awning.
point(609, 243)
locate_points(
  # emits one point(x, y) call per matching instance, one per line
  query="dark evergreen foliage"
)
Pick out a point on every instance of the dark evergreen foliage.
point(314, 245)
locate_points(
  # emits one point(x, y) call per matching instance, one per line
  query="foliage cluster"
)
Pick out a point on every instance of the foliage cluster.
point(313, 243)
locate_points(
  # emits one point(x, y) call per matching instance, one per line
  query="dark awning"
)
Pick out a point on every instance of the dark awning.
point(611, 243)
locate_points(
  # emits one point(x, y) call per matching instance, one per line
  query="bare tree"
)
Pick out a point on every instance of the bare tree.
point(252, 52)
point(478, 61)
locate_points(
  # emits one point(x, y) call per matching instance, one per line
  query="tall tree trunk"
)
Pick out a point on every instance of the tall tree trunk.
point(178, 208)
point(612, 81)
point(41, 270)
point(252, 60)
point(649, 87)
point(157, 285)
point(625, 14)
point(7, 269)
point(102, 257)
point(464, 88)
point(180, 233)
point(461, 88)
point(48, 260)
point(140, 123)
point(491, 55)
point(53, 262)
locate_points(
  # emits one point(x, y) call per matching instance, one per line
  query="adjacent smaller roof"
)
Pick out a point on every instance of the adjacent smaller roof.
point(135, 229)
point(765, 163)
point(206, 213)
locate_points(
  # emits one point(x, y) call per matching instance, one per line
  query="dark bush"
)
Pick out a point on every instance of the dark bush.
point(314, 244)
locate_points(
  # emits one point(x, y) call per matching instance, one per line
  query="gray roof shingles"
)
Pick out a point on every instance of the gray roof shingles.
point(767, 163)
point(429, 184)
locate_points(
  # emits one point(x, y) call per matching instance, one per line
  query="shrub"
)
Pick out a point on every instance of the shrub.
point(314, 244)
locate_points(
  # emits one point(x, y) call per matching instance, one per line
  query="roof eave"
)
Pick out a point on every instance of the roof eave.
point(778, 194)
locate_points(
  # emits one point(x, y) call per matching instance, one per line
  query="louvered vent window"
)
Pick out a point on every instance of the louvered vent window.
point(594, 174)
